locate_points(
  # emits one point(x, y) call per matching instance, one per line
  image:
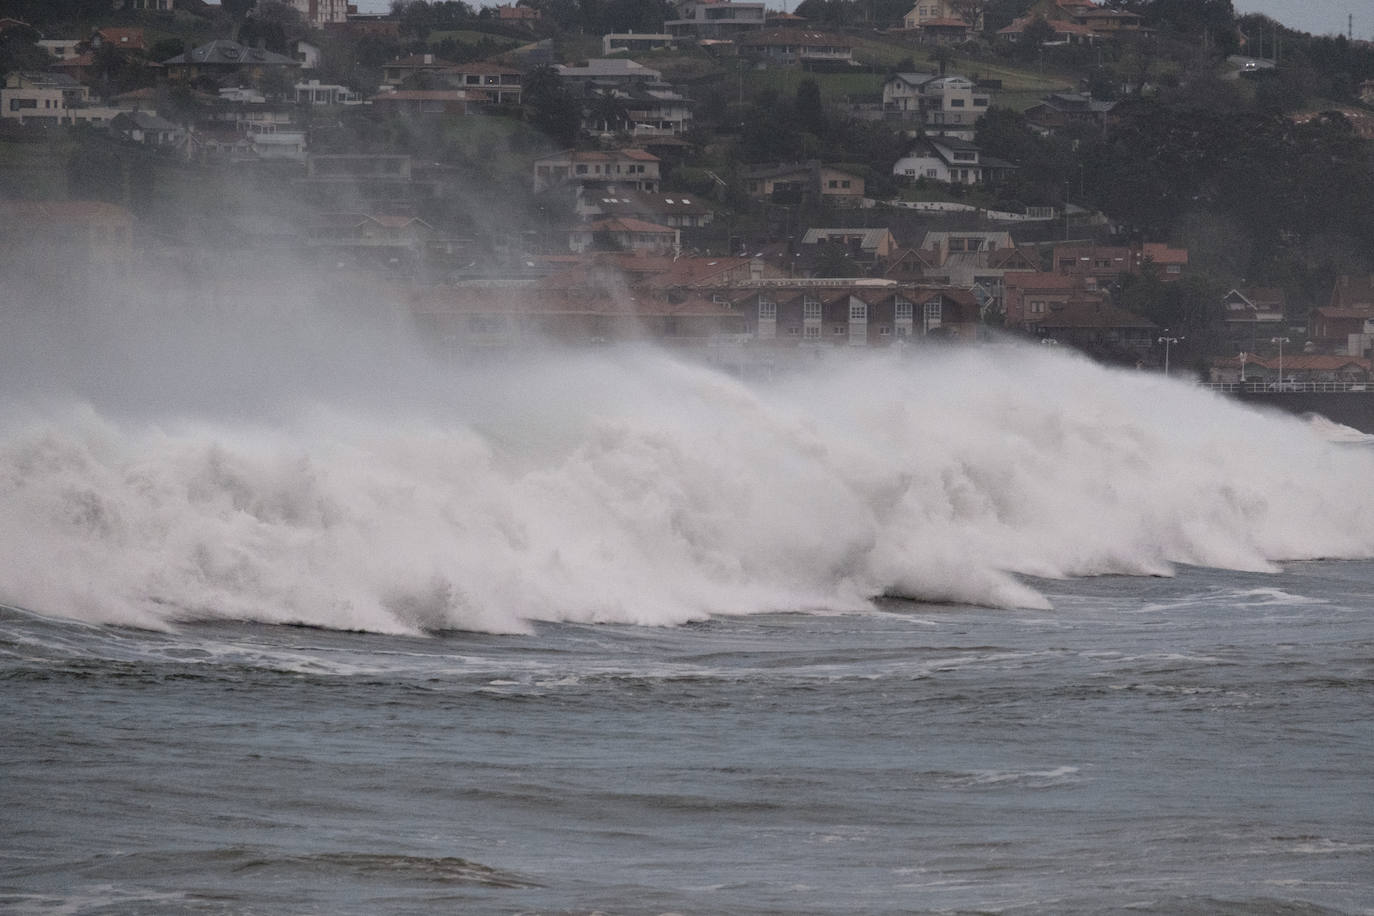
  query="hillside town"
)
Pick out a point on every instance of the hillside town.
point(1160, 184)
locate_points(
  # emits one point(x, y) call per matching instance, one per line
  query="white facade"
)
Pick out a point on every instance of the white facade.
point(716, 19)
point(319, 12)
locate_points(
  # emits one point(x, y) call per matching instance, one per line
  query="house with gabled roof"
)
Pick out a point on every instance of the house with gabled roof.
point(865, 246)
point(221, 58)
point(666, 208)
point(717, 19)
point(805, 180)
point(1060, 110)
point(950, 160)
point(502, 84)
point(622, 233)
point(1346, 323)
point(396, 72)
point(1073, 311)
point(630, 168)
point(798, 47)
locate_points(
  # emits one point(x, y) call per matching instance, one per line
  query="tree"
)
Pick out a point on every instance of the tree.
point(237, 11)
point(608, 111)
point(810, 113)
point(550, 107)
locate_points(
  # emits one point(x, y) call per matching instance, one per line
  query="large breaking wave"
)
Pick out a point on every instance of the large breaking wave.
point(351, 483)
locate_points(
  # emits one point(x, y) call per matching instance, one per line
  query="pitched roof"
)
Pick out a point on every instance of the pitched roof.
point(624, 224)
point(225, 53)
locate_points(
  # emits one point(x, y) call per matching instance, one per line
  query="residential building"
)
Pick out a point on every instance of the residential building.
point(396, 72)
point(147, 129)
point(865, 246)
point(950, 160)
point(514, 14)
point(368, 183)
point(1346, 323)
point(320, 13)
point(502, 85)
point(46, 99)
point(1064, 31)
point(223, 59)
point(121, 39)
point(969, 12)
point(852, 313)
point(70, 234)
point(430, 102)
point(793, 182)
point(634, 42)
point(620, 233)
point(673, 209)
point(1253, 315)
point(631, 169)
point(1059, 110)
point(367, 238)
point(607, 73)
point(944, 21)
point(971, 260)
point(1072, 311)
point(61, 48)
point(1107, 264)
point(313, 92)
point(1297, 368)
point(793, 47)
point(716, 19)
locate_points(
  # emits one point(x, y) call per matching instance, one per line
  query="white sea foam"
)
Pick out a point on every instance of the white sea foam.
point(627, 486)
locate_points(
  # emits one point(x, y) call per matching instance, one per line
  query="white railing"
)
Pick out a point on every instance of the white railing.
point(1277, 387)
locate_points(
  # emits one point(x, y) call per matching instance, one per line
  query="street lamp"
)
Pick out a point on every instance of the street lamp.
point(1280, 341)
point(1167, 341)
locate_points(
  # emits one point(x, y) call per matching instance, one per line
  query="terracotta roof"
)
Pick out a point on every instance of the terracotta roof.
point(1026, 279)
point(122, 37)
point(800, 37)
point(431, 95)
point(418, 62)
point(61, 211)
point(1297, 361)
point(624, 224)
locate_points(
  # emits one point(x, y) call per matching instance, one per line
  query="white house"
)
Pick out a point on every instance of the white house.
point(716, 19)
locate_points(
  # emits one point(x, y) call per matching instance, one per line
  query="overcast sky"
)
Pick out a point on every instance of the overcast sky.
point(1320, 17)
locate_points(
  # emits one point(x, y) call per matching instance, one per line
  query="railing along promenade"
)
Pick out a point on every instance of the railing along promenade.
point(1287, 387)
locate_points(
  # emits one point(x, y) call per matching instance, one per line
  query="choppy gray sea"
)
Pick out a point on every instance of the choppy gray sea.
point(1200, 744)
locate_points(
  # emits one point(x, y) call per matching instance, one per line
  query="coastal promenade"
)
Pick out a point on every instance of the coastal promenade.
point(1347, 403)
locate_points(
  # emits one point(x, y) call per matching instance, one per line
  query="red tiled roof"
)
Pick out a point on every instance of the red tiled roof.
point(624, 224)
point(62, 211)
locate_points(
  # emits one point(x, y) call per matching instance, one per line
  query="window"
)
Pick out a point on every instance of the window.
point(20, 104)
point(768, 311)
point(933, 312)
point(793, 331)
point(1037, 307)
point(840, 329)
point(904, 310)
point(581, 170)
point(956, 103)
point(844, 184)
point(858, 311)
point(884, 331)
point(1173, 269)
point(932, 173)
point(811, 308)
point(980, 103)
point(813, 333)
point(834, 183)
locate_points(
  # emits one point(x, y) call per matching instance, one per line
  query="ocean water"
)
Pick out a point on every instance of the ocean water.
point(296, 619)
